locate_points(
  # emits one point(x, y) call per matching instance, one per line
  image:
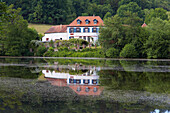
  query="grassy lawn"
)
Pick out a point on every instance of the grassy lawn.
point(41, 28)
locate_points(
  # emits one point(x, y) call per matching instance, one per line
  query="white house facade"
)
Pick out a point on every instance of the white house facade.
point(83, 27)
point(58, 32)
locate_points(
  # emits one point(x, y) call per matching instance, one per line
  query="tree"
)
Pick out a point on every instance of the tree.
point(141, 3)
point(157, 13)
point(131, 7)
point(38, 12)
point(111, 34)
point(157, 46)
point(108, 14)
point(128, 51)
point(16, 35)
point(112, 53)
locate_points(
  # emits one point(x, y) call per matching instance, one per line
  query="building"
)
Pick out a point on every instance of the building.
point(144, 25)
point(83, 27)
point(58, 32)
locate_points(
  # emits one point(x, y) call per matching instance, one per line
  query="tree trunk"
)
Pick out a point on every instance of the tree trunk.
point(31, 50)
point(78, 47)
point(83, 46)
point(90, 46)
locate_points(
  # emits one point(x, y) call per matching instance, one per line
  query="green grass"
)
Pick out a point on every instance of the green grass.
point(41, 28)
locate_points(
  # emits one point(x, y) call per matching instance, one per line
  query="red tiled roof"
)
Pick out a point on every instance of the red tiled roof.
point(90, 18)
point(144, 25)
point(57, 29)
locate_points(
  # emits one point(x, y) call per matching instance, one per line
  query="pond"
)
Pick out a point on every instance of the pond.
point(51, 85)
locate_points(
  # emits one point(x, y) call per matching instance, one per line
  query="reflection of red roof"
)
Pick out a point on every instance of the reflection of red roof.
point(144, 25)
point(57, 82)
point(83, 88)
point(83, 22)
point(57, 29)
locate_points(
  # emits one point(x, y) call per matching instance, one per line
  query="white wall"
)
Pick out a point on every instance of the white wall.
point(91, 34)
point(54, 36)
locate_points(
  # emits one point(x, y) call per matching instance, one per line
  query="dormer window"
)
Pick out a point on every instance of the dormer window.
point(78, 21)
point(87, 21)
point(95, 21)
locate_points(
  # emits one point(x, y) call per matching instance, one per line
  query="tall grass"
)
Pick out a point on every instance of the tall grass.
point(41, 28)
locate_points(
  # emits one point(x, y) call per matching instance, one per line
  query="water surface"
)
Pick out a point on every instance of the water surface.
point(39, 85)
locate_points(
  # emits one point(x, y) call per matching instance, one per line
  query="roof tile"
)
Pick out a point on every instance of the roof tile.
point(90, 18)
point(57, 29)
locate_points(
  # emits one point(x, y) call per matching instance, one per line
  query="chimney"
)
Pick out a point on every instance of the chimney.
point(60, 26)
point(93, 15)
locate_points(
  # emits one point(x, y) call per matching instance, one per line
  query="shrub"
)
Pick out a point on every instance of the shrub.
point(99, 53)
point(63, 49)
point(51, 49)
point(48, 54)
point(41, 50)
point(112, 53)
point(128, 51)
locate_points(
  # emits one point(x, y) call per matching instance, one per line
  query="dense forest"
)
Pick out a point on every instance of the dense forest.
point(65, 11)
point(122, 35)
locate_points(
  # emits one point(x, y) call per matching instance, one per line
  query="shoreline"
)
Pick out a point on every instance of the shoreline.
point(88, 58)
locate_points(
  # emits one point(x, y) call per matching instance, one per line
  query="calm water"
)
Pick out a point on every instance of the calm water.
point(37, 85)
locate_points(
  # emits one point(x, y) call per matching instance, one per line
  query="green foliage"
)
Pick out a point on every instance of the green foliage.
point(157, 46)
point(108, 14)
point(15, 35)
point(51, 49)
point(64, 52)
point(85, 14)
point(157, 13)
point(41, 50)
point(131, 7)
point(112, 53)
point(59, 12)
point(128, 51)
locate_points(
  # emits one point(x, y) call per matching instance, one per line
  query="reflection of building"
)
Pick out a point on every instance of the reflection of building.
point(83, 84)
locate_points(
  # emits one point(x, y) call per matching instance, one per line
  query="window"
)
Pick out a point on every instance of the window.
point(80, 37)
point(84, 37)
point(71, 80)
point(78, 30)
point(71, 37)
point(86, 81)
point(78, 21)
point(86, 30)
point(95, 89)
point(87, 21)
point(71, 30)
point(88, 38)
point(47, 39)
point(95, 21)
point(87, 89)
point(78, 81)
point(60, 38)
point(94, 81)
point(78, 89)
point(95, 30)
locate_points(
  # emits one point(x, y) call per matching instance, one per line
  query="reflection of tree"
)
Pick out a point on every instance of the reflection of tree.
point(143, 81)
point(158, 82)
point(74, 61)
point(17, 71)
